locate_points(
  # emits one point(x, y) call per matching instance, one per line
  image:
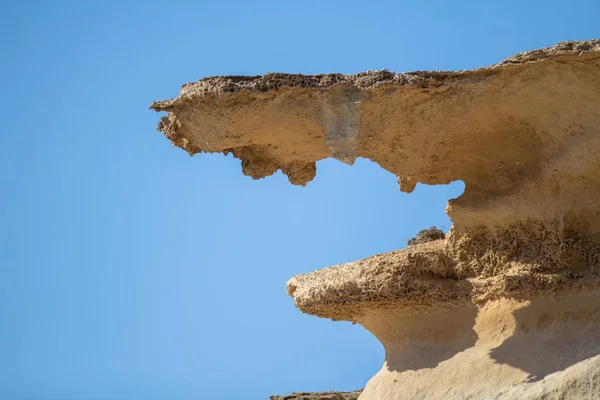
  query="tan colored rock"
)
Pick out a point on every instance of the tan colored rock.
point(476, 338)
point(507, 305)
point(466, 351)
point(524, 133)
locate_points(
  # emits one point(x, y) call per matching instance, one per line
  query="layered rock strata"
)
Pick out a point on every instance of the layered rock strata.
point(507, 305)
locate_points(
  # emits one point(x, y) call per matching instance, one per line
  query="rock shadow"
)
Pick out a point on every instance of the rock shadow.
point(429, 337)
point(552, 334)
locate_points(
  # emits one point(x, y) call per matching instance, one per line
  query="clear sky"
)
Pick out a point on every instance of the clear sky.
point(129, 270)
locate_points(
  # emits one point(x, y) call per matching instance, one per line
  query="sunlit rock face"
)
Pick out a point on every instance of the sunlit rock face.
point(507, 305)
point(464, 338)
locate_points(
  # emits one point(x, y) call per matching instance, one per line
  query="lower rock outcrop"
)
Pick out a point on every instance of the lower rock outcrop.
point(507, 305)
point(320, 396)
point(449, 338)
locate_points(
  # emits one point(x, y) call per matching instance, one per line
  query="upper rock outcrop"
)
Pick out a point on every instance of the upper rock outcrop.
point(522, 135)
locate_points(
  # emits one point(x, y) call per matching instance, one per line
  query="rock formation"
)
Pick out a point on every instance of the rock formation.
point(508, 305)
point(320, 396)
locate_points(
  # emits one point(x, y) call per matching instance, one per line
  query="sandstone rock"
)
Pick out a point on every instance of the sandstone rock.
point(320, 396)
point(508, 305)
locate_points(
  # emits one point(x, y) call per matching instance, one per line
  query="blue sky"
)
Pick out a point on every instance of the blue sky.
point(129, 270)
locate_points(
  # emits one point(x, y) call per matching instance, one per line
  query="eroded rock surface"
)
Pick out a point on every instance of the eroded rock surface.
point(522, 135)
point(320, 396)
point(506, 305)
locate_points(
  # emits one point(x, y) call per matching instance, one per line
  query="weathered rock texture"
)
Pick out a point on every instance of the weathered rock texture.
point(507, 306)
point(320, 396)
point(473, 338)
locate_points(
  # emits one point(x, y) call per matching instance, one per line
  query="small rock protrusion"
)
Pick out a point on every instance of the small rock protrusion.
point(406, 184)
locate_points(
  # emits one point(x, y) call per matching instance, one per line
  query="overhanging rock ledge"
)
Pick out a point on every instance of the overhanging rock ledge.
point(507, 305)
